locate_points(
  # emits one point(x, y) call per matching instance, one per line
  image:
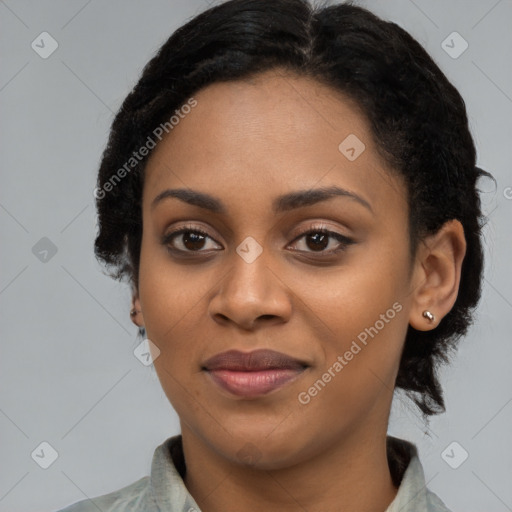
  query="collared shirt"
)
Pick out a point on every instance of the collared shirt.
point(165, 491)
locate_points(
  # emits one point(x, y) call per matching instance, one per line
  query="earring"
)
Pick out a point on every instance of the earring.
point(133, 312)
point(429, 316)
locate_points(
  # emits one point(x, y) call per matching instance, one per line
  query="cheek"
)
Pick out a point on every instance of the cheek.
point(174, 300)
point(362, 322)
point(166, 300)
point(353, 297)
point(168, 292)
point(358, 367)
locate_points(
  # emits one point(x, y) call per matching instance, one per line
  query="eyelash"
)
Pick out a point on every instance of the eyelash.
point(344, 241)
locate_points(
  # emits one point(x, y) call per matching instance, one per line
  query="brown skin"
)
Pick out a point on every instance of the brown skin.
point(245, 143)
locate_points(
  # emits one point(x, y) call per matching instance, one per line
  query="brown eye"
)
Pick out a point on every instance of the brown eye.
point(193, 241)
point(317, 240)
point(188, 240)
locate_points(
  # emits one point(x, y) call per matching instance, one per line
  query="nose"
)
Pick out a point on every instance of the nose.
point(250, 295)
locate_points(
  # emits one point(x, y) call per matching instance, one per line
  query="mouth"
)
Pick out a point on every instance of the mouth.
point(252, 374)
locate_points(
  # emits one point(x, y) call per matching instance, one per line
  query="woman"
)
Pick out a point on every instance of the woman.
point(291, 192)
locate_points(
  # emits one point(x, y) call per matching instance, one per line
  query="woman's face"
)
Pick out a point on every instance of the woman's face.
point(252, 161)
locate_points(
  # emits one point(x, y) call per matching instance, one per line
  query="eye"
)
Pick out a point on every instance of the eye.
point(317, 239)
point(191, 239)
point(188, 239)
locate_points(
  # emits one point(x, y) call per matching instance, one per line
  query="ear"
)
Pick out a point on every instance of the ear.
point(436, 276)
point(138, 317)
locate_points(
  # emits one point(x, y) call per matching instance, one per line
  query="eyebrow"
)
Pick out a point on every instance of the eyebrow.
point(283, 203)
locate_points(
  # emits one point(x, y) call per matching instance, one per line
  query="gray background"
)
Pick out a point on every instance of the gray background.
point(68, 375)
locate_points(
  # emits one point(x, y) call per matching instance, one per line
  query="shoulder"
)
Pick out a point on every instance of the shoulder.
point(132, 498)
point(163, 489)
point(409, 478)
point(434, 503)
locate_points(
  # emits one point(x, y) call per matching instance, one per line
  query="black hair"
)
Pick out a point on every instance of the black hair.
point(417, 117)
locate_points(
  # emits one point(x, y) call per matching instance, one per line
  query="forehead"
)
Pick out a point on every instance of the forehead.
point(267, 135)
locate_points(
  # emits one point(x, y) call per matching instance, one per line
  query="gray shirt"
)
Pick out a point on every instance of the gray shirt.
point(165, 491)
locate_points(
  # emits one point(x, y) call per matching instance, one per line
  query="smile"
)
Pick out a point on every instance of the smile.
point(254, 373)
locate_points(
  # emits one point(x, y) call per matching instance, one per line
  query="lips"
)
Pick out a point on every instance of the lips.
point(251, 374)
point(257, 360)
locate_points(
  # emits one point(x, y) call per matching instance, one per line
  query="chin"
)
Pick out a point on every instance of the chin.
point(263, 451)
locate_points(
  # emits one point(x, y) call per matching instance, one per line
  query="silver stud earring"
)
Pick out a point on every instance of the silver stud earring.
point(133, 312)
point(429, 316)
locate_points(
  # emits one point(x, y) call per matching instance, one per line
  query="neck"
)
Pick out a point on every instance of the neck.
point(352, 474)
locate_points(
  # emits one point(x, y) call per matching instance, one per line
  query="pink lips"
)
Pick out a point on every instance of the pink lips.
point(251, 374)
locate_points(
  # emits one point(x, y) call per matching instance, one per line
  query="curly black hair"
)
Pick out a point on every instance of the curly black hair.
point(417, 117)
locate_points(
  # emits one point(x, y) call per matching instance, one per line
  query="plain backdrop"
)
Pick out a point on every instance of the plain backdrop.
point(68, 375)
